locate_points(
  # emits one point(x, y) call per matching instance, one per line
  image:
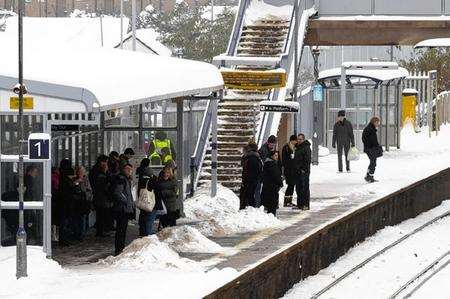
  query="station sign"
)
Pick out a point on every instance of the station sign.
point(283, 107)
point(318, 93)
point(28, 103)
point(66, 128)
point(39, 146)
point(254, 80)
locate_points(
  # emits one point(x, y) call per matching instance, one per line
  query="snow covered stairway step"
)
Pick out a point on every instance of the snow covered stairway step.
point(220, 170)
point(229, 138)
point(226, 157)
point(237, 112)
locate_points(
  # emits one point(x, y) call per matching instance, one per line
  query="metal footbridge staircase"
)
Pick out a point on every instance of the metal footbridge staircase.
point(258, 66)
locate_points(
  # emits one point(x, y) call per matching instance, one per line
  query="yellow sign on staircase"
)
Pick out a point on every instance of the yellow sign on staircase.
point(254, 80)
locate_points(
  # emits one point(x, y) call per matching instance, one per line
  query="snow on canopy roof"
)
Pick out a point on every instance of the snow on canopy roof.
point(410, 91)
point(377, 75)
point(433, 43)
point(149, 37)
point(110, 78)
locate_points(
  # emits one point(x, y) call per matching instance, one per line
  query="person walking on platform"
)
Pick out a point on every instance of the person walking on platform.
point(343, 138)
point(100, 182)
point(272, 183)
point(66, 173)
point(290, 174)
point(251, 176)
point(371, 147)
point(302, 160)
point(123, 208)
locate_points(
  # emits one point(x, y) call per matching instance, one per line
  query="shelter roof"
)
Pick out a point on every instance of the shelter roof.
point(103, 79)
point(378, 75)
point(433, 43)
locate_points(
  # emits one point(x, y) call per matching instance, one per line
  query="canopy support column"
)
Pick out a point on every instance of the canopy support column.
point(179, 156)
point(214, 144)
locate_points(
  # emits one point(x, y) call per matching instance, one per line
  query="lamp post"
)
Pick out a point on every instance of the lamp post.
point(121, 24)
point(133, 22)
point(21, 238)
point(316, 110)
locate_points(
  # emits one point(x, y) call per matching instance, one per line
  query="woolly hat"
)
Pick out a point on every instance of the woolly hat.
point(341, 113)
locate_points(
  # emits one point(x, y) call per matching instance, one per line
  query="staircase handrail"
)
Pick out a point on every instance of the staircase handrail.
point(201, 146)
point(237, 27)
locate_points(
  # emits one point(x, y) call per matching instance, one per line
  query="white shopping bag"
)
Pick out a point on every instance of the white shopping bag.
point(353, 154)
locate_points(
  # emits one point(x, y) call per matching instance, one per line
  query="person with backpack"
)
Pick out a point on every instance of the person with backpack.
point(343, 137)
point(272, 183)
point(371, 147)
point(289, 171)
point(123, 204)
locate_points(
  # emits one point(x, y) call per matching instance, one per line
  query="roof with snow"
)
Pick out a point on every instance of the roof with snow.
point(382, 74)
point(102, 79)
point(433, 43)
point(410, 91)
point(149, 38)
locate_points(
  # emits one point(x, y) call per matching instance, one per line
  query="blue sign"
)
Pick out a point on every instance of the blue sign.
point(39, 146)
point(318, 93)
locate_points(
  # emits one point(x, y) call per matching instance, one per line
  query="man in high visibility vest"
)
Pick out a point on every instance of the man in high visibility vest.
point(161, 149)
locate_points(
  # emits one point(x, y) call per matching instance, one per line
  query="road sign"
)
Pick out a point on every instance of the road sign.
point(318, 93)
point(278, 106)
point(254, 80)
point(28, 103)
point(39, 146)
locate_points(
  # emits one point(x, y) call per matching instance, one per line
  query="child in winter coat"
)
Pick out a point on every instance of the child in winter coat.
point(272, 183)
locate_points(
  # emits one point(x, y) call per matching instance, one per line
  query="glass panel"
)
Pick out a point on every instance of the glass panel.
point(10, 132)
point(160, 114)
point(123, 117)
point(33, 226)
point(32, 181)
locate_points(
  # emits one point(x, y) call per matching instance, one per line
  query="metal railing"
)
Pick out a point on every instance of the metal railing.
point(441, 110)
point(198, 156)
point(237, 27)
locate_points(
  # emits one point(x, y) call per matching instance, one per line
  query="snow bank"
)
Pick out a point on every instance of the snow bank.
point(149, 253)
point(188, 239)
point(323, 151)
point(221, 216)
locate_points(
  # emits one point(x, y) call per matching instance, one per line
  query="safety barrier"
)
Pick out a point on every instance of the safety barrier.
point(273, 277)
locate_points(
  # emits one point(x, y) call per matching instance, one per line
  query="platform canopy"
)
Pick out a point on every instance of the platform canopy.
point(67, 81)
point(378, 75)
point(433, 43)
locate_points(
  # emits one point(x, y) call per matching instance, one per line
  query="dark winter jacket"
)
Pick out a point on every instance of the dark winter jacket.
point(100, 183)
point(251, 168)
point(272, 182)
point(166, 191)
point(287, 160)
point(81, 196)
point(343, 133)
point(264, 152)
point(65, 189)
point(121, 195)
point(369, 138)
point(146, 175)
point(302, 158)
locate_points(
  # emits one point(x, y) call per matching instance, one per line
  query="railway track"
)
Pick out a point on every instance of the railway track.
point(430, 270)
point(377, 254)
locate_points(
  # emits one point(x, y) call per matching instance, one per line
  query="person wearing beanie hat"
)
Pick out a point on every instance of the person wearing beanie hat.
point(343, 138)
point(272, 183)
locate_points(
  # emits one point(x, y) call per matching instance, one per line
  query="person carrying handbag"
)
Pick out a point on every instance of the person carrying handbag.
point(147, 203)
point(371, 147)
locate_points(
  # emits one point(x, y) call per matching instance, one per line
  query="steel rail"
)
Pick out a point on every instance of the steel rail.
point(431, 266)
point(378, 253)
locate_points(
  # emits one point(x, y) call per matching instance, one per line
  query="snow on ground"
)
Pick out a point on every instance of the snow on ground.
point(188, 239)
point(147, 268)
point(221, 216)
point(381, 277)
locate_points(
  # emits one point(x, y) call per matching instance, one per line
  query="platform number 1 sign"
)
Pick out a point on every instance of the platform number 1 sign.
point(39, 146)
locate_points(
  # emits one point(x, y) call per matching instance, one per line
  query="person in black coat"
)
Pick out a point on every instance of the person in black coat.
point(290, 174)
point(343, 137)
point(66, 173)
point(147, 180)
point(166, 191)
point(302, 161)
point(123, 205)
point(371, 147)
point(100, 182)
point(251, 176)
point(272, 183)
